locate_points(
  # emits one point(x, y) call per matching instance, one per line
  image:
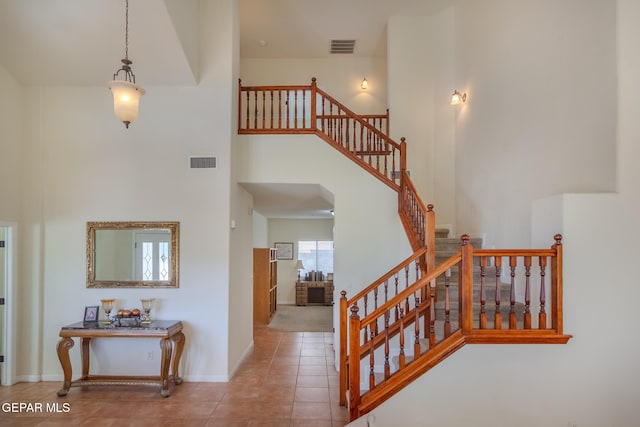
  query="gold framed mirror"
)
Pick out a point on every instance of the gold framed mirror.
point(133, 254)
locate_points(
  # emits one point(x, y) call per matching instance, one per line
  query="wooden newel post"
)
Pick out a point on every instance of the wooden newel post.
point(343, 348)
point(314, 110)
point(556, 286)
point(354, 363)
point(466, 286)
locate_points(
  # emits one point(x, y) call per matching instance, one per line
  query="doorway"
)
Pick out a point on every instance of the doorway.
point(7, 302)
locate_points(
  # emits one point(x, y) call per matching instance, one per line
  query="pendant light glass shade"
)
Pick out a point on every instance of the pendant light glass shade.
point(126, 93)
point(126, 99)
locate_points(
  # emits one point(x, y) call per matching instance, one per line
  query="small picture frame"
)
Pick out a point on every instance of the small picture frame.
point(284, 250)
point(91, 314)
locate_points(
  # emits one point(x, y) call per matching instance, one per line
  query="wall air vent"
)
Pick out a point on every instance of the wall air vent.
point(342, 46)
point(203, 162)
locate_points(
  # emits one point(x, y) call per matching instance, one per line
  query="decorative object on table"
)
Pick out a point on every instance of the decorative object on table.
point(147, 305)
point(91, 314)
point(299, 266)
point(284, 250)
point(107, 306)
point(126, 317)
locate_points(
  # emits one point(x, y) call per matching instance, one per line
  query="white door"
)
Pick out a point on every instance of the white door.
point(7, 298)
point(152, 255)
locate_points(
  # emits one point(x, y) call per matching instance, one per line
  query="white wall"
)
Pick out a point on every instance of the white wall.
point(82, 165)
point(368, 236)
point(11, 103)
point(593, 380)
point(339, 77)
point(421, 80)
point(294, 230)
point(540, 78)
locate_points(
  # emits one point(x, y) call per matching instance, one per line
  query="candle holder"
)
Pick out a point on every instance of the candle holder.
point(147, 305)
point(107, 306)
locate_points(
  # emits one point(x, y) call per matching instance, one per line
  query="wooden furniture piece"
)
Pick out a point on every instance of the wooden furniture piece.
point(314, 292)
point(171, 342)
point(265, 285)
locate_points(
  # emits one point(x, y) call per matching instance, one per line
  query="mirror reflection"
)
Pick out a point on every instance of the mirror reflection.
point(132, 254)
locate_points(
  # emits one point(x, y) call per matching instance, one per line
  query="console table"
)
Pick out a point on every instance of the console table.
point(171, 343)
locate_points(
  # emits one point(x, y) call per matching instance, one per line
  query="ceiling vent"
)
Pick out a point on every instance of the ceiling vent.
point(342, 46)
point(203, 162)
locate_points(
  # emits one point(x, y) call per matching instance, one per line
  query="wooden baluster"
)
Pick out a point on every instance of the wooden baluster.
point(401, 358)
point(447, 303)
point(372, 375)
point(375, 306)
point(416, 322)
point(255, 109)
point(343, 348)
point(324, 118)
point(386, 291)
point(483, 296)
point(395, 279)
point(387, 367)
point(352, 145)
point(271, 109)
point(288, 102)
point(264, 110)
point(248, 114)
point(497, 318)
point(527, 293)
point(406, 285)
point(513, 262)
point(304, 108)
point(365, 300)
point(542, 316)
point(432, 314)
point(295, 109)
point(279, 109)
point(354, 363)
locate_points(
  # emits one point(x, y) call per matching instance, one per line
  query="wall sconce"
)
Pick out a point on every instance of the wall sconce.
point(299, 266)
point(457, 98)
point(365, 84)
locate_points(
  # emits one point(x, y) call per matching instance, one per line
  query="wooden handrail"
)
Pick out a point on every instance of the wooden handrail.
point(464, 329)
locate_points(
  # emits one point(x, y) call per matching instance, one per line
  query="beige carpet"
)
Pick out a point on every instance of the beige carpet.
point(311, 318)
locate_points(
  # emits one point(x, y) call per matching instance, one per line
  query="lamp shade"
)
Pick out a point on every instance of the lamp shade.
point(457, 98)
point(299, 265)
point(126, 99)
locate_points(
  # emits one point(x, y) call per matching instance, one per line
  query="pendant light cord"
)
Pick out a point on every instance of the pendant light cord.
point(126, 30)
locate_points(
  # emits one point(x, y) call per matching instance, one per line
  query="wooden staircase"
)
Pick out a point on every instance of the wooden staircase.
point(428, 306)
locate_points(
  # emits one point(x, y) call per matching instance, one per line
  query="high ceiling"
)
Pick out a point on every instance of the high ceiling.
point(81, 42)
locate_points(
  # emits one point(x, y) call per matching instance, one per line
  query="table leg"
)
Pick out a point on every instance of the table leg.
point(165, 349)
point(63, 355)
point(84, 354)
point(178, 340)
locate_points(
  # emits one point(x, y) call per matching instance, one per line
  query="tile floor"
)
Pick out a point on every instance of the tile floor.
point(288, 380)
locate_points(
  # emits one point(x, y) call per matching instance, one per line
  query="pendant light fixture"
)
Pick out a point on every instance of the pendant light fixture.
point(126, 93)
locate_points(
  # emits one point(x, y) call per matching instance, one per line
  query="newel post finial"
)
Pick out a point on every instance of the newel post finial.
point(429, 207)
point(558, 239)
point(343, 294)
point(354, 311)
point(313, 80)
point(465, 239)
